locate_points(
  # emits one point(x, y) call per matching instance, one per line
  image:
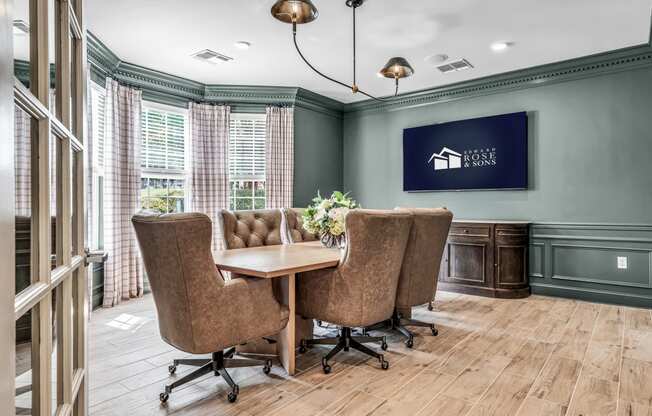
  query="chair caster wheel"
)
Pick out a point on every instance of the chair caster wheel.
point(434, 331)
point(384, 364)
point(267, 367)
point(172, 369)
point(409, 343)
point(232, 397)
point(302, 349)
point(325, 366)
point(163, 397)
point(430, 308)
point(383, 346)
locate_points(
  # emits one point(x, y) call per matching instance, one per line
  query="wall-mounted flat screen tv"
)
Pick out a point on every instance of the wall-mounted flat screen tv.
point(481, 153)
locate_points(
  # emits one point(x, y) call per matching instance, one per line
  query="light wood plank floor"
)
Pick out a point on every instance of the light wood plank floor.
point(537, 356)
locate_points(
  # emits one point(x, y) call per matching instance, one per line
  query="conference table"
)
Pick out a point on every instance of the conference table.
point(280, 262)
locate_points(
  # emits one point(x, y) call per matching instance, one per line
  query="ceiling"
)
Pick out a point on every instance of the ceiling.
point(162, 34)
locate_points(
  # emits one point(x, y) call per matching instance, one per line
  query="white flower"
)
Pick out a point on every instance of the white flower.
point(338, 214)
point(321, 213)
point(325, 204)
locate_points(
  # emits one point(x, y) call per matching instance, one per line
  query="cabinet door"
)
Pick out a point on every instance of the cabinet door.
point(511, 257)
point(469, 262)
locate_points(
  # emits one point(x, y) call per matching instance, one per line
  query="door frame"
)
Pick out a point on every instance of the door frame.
point(65, 276)
point(7, 217)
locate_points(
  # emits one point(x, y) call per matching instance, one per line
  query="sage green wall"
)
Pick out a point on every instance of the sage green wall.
point(590, 153)
point(590, 172)
point(317, 154)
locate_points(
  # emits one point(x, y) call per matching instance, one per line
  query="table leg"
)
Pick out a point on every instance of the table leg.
point(287, 342)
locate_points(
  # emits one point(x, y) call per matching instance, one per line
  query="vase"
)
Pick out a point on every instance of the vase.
point(331, 241)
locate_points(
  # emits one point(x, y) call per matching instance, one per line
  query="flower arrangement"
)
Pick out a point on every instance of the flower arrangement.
point(325, 217)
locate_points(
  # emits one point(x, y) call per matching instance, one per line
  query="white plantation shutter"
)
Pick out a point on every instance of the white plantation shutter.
point(98, 95)
point(163, 140)
point(247, 147)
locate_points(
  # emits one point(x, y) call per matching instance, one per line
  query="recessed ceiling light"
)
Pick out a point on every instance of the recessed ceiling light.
point(500, 46)
point(243, 44)
point(436, 59)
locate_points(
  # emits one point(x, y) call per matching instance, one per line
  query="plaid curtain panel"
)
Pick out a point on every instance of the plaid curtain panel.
point(123, 274)
point(279, 157)
point(209, 138)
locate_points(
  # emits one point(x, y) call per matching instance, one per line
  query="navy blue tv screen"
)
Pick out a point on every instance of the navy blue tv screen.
point(482, 153)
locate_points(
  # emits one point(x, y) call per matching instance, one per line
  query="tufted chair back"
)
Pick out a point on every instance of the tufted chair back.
point(295, 231)
point(251, 228)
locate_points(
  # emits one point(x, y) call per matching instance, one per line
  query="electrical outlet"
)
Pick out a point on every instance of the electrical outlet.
point(622, 262)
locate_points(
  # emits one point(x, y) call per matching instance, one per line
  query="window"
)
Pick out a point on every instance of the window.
point(247, 161)
point(164, 158)
point(98, 120)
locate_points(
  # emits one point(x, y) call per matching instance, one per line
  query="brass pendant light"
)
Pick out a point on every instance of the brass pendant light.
point(291, 11)
point(397, 68)
point(304, 11)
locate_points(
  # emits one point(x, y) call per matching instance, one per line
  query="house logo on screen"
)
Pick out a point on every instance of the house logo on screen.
point(446, 159)
point(471, 158)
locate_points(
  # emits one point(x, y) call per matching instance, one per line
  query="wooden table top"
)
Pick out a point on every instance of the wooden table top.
point(278, 260)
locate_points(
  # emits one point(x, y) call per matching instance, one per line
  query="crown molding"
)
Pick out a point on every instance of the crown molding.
point(573, 69)
point(174, 90)
point(100, 56)
point(170, 89)
point(149, 79)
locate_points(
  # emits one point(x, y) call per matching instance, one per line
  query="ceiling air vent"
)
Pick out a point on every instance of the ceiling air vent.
point(211, 56)
point(459, 65)
point(21, 27)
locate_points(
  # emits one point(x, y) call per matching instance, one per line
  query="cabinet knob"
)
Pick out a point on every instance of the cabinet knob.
point(466, 231)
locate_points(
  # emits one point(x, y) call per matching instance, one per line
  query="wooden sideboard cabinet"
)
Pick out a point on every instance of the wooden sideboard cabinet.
point(486, 258)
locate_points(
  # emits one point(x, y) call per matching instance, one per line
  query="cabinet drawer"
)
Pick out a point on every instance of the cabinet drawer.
point(462, 230)
point(513, 231)
point(512, 235)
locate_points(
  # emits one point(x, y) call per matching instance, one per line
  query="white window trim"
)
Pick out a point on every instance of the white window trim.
point(173, 173)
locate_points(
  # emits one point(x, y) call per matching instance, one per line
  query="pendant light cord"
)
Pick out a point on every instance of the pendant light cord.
point(354, 78)
point(296, 45)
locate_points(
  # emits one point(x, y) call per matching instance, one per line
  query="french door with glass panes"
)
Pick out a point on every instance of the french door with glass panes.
point(42, 222)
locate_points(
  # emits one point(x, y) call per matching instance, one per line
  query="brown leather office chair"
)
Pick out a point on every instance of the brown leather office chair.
point(199, 312)
point(420, 270)
point(253, 228)
point(294, 226)
point(362, 289)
